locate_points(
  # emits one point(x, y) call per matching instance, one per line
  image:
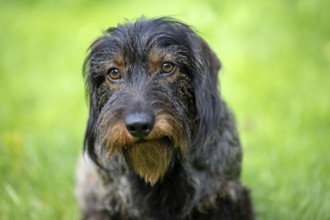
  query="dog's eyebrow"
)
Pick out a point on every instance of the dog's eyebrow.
point(103, 53)
point(161, 39)
point(168, 44)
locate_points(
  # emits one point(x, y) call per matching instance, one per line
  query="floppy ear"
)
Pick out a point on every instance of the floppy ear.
point(91, 83)
point(207, 98)
point(90, 134)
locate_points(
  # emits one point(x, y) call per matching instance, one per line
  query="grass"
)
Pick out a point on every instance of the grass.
point(276, 58)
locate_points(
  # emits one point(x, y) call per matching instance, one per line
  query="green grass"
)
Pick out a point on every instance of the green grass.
point(276, 76)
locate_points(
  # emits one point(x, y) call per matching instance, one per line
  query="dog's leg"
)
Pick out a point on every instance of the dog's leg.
point(236, 205)
point(102, 197)
point(88, 189)
point(233, 203)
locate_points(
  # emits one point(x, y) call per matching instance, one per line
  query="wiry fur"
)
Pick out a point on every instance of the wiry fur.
point(189, 166)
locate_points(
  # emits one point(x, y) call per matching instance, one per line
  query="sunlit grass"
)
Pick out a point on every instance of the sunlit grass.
point(276, 65)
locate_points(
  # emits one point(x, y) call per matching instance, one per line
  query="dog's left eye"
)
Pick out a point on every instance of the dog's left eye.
point(168, 67)
point(114, 74)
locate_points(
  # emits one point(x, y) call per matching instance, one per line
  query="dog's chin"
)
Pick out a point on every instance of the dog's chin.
point(150, 159)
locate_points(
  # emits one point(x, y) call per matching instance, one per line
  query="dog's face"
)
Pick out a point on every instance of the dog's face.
point(153, 95)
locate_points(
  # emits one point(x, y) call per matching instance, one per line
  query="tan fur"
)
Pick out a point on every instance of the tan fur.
point(150, 160)
point(120, 138)
point(157, 58)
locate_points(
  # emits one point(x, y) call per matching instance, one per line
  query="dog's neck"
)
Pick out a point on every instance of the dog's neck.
point(173, 196)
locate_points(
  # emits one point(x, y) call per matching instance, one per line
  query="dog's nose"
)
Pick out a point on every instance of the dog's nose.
point(139, 124)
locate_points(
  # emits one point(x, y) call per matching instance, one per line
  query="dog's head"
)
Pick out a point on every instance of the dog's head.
point(153, 95)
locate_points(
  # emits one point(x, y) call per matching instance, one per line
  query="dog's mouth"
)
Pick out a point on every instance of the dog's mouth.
point(142, 141)
point(149, 156)
point(150, 159)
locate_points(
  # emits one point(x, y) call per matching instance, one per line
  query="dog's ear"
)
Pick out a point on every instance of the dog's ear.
point(90, 135)
point(205, 82)
point(91, 85)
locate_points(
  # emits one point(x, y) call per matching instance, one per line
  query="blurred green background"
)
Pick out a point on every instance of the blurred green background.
point(276, 78)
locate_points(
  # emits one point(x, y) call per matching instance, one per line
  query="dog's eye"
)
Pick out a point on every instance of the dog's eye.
point(114, 74)
point(168, 67)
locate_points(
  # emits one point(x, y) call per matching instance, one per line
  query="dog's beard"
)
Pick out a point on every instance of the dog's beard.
point(150, 159)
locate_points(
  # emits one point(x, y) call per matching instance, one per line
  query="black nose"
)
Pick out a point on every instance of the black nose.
point(139, 124)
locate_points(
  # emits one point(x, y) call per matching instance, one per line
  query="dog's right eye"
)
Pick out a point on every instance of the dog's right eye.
point(114, 74)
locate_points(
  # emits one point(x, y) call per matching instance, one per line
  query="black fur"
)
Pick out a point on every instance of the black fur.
point(198, 177)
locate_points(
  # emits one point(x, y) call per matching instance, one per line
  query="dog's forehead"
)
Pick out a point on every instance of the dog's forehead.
point(149, 36)
point(145, 42)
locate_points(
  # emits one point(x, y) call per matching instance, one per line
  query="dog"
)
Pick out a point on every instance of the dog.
point(160, 141)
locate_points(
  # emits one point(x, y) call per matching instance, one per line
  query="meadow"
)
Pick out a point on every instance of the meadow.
point(275, 77)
